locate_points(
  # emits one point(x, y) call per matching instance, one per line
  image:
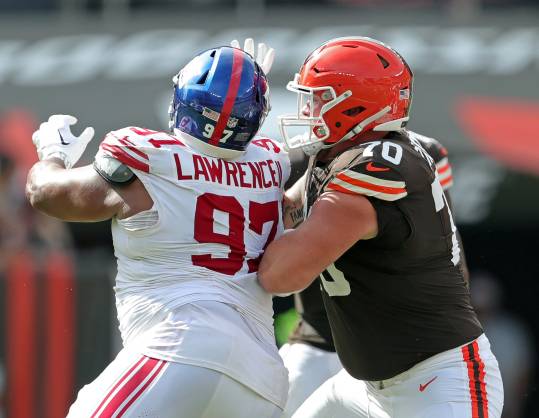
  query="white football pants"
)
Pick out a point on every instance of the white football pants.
point(136, 386)
point(308, 367)
point(464, 382)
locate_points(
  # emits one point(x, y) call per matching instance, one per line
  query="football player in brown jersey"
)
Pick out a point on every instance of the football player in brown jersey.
point(309, 355)
point(379, 234)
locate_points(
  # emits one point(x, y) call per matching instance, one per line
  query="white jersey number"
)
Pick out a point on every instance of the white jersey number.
point(390, 151)
point(208, 132)
point(439, 203)
point(337, 285)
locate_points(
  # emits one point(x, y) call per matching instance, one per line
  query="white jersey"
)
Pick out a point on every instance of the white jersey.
point(201, 241)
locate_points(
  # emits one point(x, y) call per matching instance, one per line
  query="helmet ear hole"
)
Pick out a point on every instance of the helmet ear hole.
point(384, 62)
point(353, 111)
point(202, 80)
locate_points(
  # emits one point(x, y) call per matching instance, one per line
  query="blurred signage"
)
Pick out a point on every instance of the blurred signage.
point(476, 86)
point(157, 53)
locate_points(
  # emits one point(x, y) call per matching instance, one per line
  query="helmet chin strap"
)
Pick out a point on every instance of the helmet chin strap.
point(392, 125)
point(313, 149)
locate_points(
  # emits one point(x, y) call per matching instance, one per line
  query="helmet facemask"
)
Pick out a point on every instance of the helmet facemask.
point(307, 128)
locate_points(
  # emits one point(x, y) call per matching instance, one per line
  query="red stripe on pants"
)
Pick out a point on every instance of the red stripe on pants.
point(143, 388)
point(476, 377)
point(131, 388)
point(118, 383)
point(60, 337)
point(482, 379)
point(21, 344)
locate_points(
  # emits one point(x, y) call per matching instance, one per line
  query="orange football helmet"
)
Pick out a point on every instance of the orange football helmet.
point(346, 87)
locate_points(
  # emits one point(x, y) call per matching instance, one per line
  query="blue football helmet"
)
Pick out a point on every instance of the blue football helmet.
point(221, 98)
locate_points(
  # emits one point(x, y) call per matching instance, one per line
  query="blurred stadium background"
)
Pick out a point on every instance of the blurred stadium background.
point(109, 62)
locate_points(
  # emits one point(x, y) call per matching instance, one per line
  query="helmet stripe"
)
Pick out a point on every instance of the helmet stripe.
point(233, 86)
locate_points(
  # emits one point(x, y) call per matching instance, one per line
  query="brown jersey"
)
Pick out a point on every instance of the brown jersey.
point(313, 327)
point(401, 297)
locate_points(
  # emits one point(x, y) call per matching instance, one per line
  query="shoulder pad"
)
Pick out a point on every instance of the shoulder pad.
point(112, 170)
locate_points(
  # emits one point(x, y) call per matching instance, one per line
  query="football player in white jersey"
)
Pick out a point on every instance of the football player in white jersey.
point(192, 212)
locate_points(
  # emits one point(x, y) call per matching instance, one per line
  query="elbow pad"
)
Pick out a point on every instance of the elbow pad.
point(112, 170)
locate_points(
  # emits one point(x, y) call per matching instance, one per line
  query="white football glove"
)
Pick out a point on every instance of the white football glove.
point(54, 139)
point(264, 56)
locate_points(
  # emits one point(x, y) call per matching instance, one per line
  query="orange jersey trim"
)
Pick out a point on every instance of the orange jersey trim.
point(370, 186)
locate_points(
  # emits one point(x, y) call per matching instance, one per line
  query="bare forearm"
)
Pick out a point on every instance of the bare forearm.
point(293, 204)
point(43, 188)
point(292, 213)
point(337, 221)
point(287, 258)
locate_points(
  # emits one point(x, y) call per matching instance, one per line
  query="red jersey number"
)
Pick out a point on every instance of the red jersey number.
point(267, 144)
point(259, 214)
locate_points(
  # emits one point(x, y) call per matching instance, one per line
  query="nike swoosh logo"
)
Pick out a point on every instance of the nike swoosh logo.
point(62, 139)
point(372, 167)
point(423, 387)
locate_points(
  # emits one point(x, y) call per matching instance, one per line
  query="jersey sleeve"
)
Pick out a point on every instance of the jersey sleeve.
point(126, 146)
point(445, 173)
point(371, 178)
point(439, 154)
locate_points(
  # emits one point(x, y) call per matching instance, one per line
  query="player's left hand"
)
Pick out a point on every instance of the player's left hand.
point(54, 139)
point(264, 56)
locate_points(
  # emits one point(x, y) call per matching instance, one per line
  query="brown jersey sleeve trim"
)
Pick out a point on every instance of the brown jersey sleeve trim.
point(355, 183)
point(445, 173)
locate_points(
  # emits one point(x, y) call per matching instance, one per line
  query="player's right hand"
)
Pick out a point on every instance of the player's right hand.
point(54, 139)
point(264, 56)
